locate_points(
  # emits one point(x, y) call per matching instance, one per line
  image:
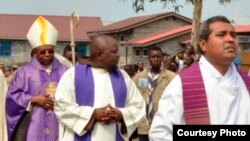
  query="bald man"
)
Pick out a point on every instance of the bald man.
point(97, 101)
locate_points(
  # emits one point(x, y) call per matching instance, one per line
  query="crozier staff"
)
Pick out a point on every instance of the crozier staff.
point(74, 21)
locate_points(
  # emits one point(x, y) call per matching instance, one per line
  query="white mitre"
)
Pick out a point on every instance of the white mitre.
point(42, 32)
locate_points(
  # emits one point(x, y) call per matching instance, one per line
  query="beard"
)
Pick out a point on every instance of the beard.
point(112, 68)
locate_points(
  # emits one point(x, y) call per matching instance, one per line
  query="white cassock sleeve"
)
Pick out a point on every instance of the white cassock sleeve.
point(134, 109)
point(230, 106)
point(170, 112)
point(3, 92)
point(67, 110)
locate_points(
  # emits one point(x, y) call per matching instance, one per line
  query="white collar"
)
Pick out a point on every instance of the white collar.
point(229, 77)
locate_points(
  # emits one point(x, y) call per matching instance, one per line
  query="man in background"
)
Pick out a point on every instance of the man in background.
point(151, 82)
point(140, 66)
point(67, 53)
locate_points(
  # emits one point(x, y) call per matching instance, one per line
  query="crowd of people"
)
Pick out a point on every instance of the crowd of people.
point(51, 99)
point(177, 62)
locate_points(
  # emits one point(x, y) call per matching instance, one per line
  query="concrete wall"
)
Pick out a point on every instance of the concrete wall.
point(158, 25)
point(20, 52)
point(147, 29)
point(168, 46)
point(21, 49)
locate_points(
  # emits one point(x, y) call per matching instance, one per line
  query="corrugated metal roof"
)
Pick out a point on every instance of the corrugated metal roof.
point(16, 26)
point(159, 35)
point(137, 21)
point(242, 28)
point(167, 33)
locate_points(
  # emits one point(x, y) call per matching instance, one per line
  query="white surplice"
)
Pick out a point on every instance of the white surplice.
point(73, 118)
point(3, 91)
point(227, 96)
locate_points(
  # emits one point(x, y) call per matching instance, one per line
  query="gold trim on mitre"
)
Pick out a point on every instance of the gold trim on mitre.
point(42, 32)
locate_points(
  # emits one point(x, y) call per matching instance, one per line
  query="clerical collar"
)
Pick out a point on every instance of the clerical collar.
point(100, 70)
point(48, 69)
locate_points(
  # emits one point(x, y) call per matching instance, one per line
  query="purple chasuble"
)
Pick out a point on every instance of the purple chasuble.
point(194, 95)
point(84, 88)
point(28, 82)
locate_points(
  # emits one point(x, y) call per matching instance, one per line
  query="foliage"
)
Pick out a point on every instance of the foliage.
point(138, 5)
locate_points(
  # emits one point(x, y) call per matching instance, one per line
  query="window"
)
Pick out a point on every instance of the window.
point(145, 52)
point(137, 52)
point(141, 52)
point(82, 49)
point(5, 48)
point(122, 38)
point(244, 46)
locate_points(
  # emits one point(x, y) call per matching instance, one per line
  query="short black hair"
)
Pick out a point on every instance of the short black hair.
point(68, 48)
point(165, 54)
point(205, 31)
point(154, 48)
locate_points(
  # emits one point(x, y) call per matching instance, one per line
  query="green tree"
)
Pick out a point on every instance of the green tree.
point(138, 5)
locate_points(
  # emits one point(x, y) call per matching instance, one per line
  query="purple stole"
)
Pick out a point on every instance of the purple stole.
point(194, 95)
point(84, 88)
point(246, 79)
point(50, 120)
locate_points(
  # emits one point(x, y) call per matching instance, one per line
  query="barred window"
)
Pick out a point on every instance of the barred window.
point(5, 48)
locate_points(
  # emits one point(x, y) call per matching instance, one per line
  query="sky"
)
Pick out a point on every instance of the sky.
point(114, 10)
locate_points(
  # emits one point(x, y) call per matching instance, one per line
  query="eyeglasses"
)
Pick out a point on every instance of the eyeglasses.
point(43, 52)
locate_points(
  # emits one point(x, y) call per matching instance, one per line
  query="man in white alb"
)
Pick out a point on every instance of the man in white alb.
point(97, 101)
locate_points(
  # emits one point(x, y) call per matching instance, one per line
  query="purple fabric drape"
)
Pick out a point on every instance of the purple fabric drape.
point(194, 96)
point(194, 90)
point(29, 81)
point(246, 79)
point(84, 84)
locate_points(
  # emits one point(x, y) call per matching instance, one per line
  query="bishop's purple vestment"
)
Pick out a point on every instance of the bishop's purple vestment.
point(28, 82)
